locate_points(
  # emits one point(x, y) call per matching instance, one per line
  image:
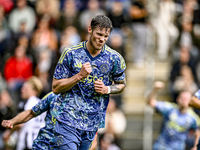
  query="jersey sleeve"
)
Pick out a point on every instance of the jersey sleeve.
point(196, 123)
point(119, 68)
point(197, 94)
point(164, 107)
point(42, 105)
point(62, 67)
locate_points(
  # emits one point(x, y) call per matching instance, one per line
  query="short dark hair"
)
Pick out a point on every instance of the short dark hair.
point(101, 21)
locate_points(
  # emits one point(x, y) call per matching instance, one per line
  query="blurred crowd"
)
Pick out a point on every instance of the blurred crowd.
point(33, 34)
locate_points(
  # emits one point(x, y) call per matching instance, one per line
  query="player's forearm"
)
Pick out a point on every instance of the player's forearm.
point(195, 102)
point(63, 85)
point(151, 98)
point(118, 87)
point(23, 117)
point(197, 135)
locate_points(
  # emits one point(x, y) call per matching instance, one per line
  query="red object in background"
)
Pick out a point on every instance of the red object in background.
point(15, 69)
point(7, 5)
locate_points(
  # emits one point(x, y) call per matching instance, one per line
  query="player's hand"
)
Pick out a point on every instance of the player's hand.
point(99, 87)
point(7, 124)
point(159, 85)
point(86, 69)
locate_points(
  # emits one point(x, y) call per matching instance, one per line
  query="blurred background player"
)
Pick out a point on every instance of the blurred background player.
point(28, 131)
point(195, 102)
point(45, 138)
point(178, 120)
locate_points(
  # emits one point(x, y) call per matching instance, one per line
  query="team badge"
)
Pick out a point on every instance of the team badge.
point(104, 68)
point(60, 140)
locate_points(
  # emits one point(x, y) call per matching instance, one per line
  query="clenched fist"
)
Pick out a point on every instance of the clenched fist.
point(159, 85)
point(7, 124)
point(86, 69)
point(100, 87)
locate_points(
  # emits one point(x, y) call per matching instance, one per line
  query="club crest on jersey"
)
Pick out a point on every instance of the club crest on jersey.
point(60, 140)
point(104, 68)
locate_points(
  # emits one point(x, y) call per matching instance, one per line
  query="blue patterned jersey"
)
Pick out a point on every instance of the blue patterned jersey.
point(176, 126)
point(45, 138)
point(82, 107)
point(197, 94)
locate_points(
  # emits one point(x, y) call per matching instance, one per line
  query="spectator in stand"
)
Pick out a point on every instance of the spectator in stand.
point(69, 37)
point(184, 58)
point(109, 4)
point(21, 32)
point(69, 16)
point(186, 34)
point(22, 15)
point(138, 16)
point(165, 27)
point(116, 42)
point(24, 41)
point(188, 10)
point(3, 84)
point(42, 70)
point(7, 110)
point(93, 9)
point(4, 33)
point(22, 21)
point(187, 37)
point(50, 8)
point(44, 37)
point(118, 16)
point(18, 68)
point(185, 81)
point(196, 12)
point(196, 24)
point(7, 5)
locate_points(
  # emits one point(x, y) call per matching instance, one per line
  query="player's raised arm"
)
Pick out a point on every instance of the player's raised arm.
point(195, 102)
point(19, 119)
point(63, 85)
point(151, 98)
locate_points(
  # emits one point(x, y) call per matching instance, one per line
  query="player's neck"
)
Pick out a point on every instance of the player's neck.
point(91, 49)
point(183, 110)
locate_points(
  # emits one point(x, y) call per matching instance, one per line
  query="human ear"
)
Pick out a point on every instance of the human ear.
point(89, 29)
